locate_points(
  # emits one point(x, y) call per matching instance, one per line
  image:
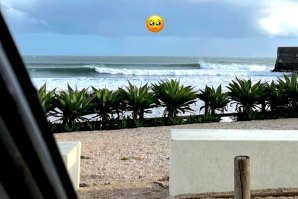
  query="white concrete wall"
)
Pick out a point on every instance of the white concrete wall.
point(203, 160)
point(71, 154)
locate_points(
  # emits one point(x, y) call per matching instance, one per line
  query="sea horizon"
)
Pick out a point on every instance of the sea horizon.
point(206, 56)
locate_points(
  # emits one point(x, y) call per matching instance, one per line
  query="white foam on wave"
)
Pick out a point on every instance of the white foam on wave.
point(144, 72)
point(210, 69)
point(236, 67)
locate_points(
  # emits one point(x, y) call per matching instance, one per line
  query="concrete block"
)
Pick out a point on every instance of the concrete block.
point(71, 154)
point(202, 160)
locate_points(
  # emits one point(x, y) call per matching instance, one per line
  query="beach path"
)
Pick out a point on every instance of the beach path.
point(133, 163)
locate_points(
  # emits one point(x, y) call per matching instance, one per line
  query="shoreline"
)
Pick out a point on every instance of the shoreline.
point(133, 163)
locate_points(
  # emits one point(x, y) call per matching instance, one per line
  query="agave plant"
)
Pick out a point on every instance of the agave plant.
point(246, 95)
point(47, 99)
point(175, 97)
point(289, 86)
point(138, 100)
point(276, 97)
point(74, 104)
point(214, 99)
point(105, 102)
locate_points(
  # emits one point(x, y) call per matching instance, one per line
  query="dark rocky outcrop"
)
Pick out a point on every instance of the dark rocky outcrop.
point(287, 59)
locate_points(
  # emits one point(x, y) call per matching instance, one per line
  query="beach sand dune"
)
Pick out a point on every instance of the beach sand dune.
point(134, 163)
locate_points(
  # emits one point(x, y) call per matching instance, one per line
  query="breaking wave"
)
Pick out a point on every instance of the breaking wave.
point(188, 69)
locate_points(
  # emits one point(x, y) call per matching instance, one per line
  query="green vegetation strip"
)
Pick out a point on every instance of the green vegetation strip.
point(102, 109)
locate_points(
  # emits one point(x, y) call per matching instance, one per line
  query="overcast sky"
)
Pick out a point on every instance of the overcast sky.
point(242, 28)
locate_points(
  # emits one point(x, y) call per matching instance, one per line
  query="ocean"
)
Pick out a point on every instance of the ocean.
point(115, 71)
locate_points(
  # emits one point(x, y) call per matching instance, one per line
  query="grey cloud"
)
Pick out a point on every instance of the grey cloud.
point(127, 18)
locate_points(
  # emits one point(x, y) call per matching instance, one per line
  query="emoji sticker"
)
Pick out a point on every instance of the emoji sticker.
point(155, 23)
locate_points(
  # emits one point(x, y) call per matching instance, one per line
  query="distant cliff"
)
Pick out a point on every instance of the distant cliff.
point(287, 59)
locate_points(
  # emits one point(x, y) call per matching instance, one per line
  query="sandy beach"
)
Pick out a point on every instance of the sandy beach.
point(133, 163)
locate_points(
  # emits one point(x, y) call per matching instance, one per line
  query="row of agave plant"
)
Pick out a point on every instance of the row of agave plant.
point(252, 101)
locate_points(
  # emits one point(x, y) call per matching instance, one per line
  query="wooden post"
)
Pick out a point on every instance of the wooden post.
point(241, 177)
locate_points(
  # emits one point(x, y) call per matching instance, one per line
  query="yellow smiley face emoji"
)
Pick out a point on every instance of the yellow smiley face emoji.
point(155, 23)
